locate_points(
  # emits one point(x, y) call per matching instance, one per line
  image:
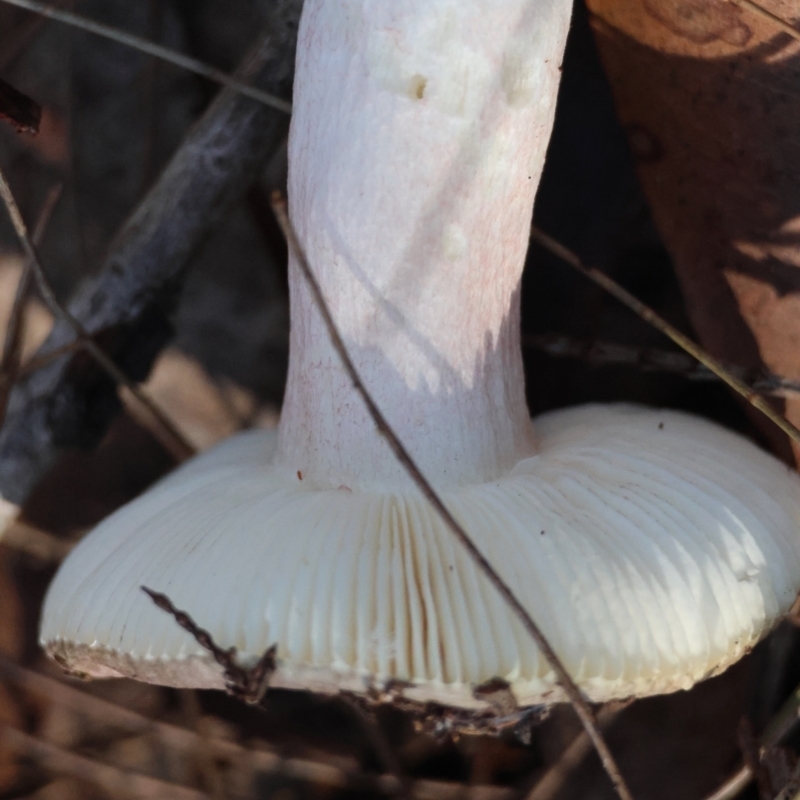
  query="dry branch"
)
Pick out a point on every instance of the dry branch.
point(126, 307)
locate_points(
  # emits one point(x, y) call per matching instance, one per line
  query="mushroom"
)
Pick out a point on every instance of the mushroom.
point(653, 548)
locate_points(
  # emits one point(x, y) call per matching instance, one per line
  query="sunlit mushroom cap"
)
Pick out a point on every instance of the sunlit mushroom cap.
point(653, 548)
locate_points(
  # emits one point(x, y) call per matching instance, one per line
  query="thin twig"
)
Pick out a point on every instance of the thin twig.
point(733, 786)
point(249, 685)
point(15, 330)
point(573, 693)
point(658, 322)
point(554, 778)
point(153, 49)
point(178, 445)
point(653, 359)
point(762, 12)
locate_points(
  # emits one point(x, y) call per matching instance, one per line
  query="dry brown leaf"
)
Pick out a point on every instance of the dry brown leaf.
point(708, 92)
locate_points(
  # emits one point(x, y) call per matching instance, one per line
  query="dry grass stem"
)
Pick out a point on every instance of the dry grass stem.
point(171, 437)
point(658, 322)
point(573, 693)
point(153, 49)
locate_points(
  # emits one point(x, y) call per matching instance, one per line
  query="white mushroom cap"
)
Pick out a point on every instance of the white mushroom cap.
point(653, 548)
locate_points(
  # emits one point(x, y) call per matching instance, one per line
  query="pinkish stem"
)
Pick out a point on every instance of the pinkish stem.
point(417, 142)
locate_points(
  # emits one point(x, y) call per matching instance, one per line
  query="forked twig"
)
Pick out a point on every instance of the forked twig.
point(249, 685)
point(574, 695)
point(153, 49)
point(658, 322)
point(178, 445)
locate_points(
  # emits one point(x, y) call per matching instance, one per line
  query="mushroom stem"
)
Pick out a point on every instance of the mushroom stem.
point(417, 142)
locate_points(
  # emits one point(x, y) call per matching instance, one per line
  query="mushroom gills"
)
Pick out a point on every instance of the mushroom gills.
point(653, 548)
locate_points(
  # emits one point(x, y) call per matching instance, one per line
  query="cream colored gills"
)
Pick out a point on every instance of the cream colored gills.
point(653, 548)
